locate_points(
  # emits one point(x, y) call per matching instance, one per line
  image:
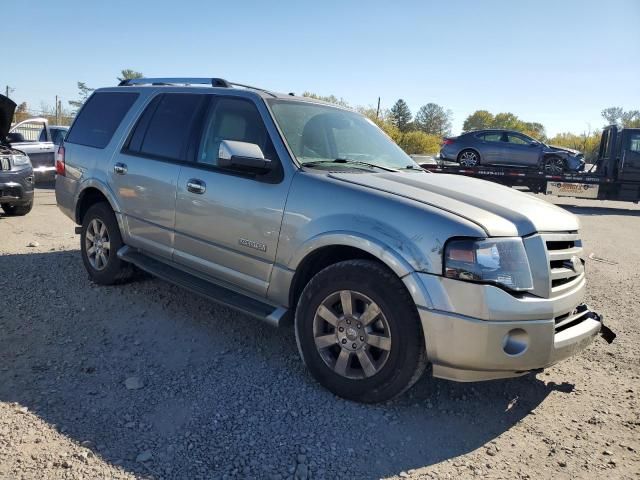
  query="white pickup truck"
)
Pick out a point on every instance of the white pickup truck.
point(35, 138)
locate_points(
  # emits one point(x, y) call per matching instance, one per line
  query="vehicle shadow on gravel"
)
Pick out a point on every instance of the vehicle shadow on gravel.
point(204, 392)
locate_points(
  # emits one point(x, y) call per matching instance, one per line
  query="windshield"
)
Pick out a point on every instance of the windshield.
point(318, 133)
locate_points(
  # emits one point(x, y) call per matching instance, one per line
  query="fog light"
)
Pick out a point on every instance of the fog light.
point(515, 342)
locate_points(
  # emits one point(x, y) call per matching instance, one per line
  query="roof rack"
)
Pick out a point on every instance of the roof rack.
point(214, 82)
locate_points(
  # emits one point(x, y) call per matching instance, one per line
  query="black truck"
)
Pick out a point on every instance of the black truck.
point(614, 176)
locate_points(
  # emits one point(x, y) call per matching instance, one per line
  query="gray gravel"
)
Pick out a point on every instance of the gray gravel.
point(146, 380)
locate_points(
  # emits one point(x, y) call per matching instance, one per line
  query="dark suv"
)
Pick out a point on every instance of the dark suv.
point(16, 172)
point(507, 147)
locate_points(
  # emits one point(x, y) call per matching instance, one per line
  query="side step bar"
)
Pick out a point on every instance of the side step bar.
point(274, 316)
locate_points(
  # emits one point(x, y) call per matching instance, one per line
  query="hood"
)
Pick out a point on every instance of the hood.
point(564, 149)
point(7, 109)
point(500, 211)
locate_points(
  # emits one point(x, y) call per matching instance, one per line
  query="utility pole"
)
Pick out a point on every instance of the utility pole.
point(378, 109)
point(57, 121)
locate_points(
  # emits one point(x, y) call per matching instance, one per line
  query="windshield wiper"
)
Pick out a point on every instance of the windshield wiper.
point(354, 162)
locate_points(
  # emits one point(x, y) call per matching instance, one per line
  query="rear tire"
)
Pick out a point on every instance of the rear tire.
point(358, 332)
point(17, 210)
point(469, 158)
point(100, 241)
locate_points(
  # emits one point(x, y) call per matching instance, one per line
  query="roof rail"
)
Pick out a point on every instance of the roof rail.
point(214, 82)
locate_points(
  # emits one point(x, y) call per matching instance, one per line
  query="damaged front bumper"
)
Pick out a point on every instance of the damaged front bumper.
point(467, 349)
point(480, 332)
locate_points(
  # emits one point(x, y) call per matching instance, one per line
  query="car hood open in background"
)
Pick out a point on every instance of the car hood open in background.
point(500, 211)
point(7, 109)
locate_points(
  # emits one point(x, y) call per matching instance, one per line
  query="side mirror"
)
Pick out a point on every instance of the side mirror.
point(15, 137)
point(243, 156)
point(534, 144)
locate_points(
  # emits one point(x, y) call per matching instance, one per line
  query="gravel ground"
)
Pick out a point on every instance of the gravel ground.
point(146, 380)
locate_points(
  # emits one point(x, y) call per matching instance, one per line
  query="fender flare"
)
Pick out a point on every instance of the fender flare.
point(104, 190)
point(392, 259)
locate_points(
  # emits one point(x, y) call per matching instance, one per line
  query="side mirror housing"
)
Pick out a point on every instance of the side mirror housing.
point(242, 156)
point(15, 137)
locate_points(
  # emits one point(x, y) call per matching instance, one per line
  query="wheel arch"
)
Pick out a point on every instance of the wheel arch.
point(93, 192)
point(322, 251)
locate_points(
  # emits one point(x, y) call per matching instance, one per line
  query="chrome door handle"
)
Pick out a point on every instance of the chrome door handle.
point(196, 186)
point(120, 168)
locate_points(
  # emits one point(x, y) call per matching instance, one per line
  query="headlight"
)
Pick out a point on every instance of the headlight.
point(502, 261)
point(20, 160)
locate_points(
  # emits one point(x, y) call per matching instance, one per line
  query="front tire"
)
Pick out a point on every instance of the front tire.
point(553, 165)
point(358, 332)
point(100, 241)
point(17, 210)
point(469, 158)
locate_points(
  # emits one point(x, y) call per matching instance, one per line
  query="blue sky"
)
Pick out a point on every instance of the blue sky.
point(555, 62)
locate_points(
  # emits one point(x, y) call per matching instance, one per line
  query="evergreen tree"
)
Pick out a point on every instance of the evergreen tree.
point(400, 115)
point(128, 74)
point(83, 92)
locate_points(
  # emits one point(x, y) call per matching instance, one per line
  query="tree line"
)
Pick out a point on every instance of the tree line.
point(423, 132)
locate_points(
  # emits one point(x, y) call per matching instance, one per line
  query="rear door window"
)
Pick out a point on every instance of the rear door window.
point(491, 137)
point(164, 128)
point(99, 118)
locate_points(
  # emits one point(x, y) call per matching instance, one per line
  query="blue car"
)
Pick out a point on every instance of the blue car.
point(509, 148)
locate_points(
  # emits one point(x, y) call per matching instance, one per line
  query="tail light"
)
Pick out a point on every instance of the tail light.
point(447, 141)
point(60, 161)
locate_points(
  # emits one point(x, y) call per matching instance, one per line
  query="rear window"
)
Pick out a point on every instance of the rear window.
point(164, 127)
point(99, 118)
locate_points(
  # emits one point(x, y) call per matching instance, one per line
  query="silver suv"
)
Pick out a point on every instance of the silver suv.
point(285, 207)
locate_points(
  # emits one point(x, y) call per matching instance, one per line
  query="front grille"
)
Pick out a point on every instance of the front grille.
point(4, 163)
point(564, 251)
point(10, 192)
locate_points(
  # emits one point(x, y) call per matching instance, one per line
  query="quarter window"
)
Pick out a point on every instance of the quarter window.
point(99, 118)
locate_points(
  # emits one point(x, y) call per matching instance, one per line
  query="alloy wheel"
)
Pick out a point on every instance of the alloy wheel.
point(352, 334)
point(554, 166)
point(469, 159)
point(97, 244)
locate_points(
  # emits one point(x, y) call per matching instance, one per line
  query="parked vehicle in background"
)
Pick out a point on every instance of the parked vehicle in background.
point(58, 132)
point(507, 147)
point(32, 136)
point(284, 206)
point(614, 176)
point(16, 174)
